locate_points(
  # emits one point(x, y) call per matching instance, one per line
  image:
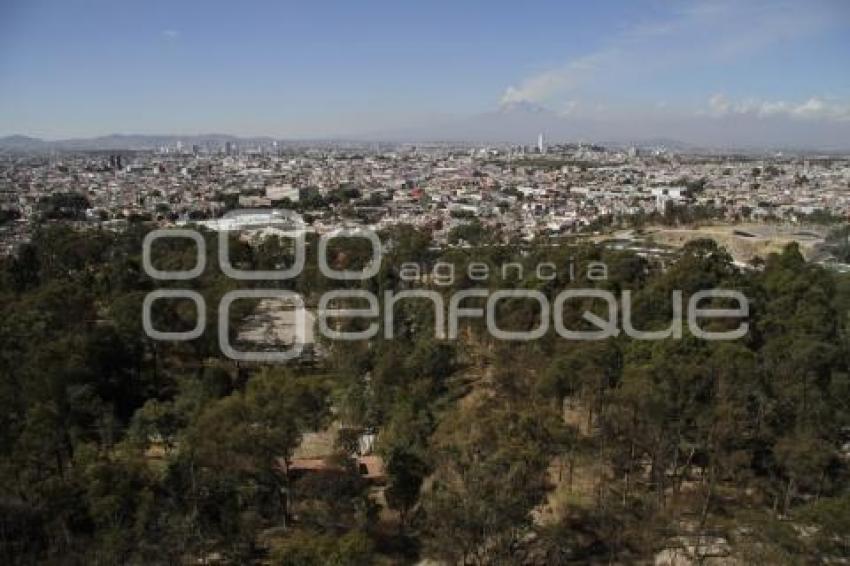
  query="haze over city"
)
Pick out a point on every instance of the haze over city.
point(716, 73)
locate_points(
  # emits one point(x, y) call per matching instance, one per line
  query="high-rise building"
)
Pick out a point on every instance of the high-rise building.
point(541, 147)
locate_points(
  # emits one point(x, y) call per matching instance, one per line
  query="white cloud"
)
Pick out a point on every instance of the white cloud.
point(718, 105)
point(814, 108)
point(691, 36)
point(543, 86)
point(170, 34)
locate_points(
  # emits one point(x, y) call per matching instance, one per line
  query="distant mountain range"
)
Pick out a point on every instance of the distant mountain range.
point(521, 123)
point(138, 142)
point(131, 142)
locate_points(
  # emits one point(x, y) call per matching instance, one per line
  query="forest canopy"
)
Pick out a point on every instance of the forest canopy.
point(115, 448)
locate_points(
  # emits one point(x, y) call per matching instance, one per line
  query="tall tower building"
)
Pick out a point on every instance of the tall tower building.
point(541, 146)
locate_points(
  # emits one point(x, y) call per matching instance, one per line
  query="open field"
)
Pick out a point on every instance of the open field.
point(743, 241)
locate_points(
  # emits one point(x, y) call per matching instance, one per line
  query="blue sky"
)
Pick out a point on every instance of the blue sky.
point(311, 69)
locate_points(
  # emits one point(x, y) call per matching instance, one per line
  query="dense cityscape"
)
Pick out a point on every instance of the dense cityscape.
point(522, 192)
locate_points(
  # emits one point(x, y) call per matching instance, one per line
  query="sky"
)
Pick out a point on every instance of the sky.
point(746, 69)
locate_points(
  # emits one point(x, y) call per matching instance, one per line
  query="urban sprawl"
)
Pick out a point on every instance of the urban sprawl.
point(522, 193)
